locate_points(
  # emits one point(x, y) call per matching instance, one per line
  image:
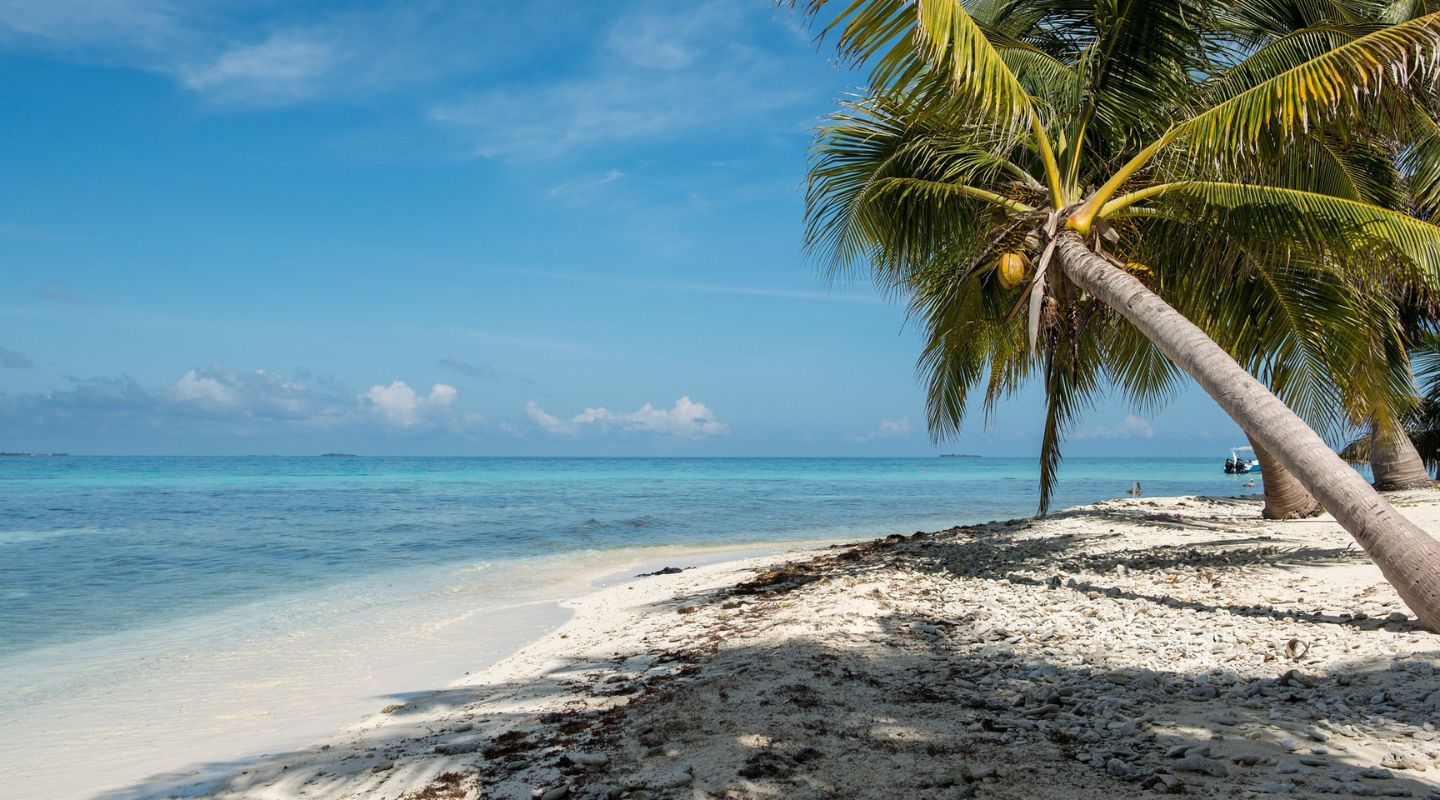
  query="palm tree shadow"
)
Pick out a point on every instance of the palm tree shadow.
point(919, 706)
point(992, 551)
point(907, 715)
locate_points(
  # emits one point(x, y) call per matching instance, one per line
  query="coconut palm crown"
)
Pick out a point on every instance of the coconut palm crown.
point(1047, 181)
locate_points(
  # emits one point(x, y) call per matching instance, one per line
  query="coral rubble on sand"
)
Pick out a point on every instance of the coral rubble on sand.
point(1125, 649)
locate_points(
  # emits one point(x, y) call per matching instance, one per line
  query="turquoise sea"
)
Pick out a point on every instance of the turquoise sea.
point(164, 619)
point(92, 545)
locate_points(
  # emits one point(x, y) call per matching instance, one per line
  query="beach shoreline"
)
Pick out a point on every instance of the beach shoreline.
point(1123, 649)
point(173, 707)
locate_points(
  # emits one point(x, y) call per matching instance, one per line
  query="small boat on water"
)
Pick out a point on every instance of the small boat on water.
point(1238, 464)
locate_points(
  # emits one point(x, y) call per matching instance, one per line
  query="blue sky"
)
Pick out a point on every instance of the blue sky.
point(446, 228)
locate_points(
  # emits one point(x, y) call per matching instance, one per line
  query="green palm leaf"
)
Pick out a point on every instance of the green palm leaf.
point(1285, 53)
point(1281, 220)
point(904, 39)
point(1322, 88)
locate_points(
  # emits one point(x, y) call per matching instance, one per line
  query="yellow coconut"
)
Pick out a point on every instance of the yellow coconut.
point(1014, 268)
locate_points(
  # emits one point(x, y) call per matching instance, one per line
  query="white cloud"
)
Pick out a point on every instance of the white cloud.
point(657, 40)
point(648, 68)
point(460, 365)
point(207, 400)
point(284, 67)
point(232, 54)
point(196, 388)
point(88, 23)
point(549, 422)
point(840, 295)
point(664, 69)
point(891, 428)
point(218, 391)
point(554, 120)
point(583, 188)
point(687, 419)
point(1132, 427)
point(401, 406)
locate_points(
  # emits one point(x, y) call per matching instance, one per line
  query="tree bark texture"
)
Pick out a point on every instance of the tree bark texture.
point(1395, 461)
point(1285, 497)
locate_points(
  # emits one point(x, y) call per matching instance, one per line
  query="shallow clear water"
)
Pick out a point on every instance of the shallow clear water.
point(94, 545)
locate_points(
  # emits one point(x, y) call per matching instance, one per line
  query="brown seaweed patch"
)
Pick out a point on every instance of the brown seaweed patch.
point(446, 786)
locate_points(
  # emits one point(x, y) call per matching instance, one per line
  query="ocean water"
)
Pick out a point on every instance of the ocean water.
point(93, 545)
point(163, 619)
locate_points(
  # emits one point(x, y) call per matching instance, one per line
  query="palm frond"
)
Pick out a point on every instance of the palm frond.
point(905, 39)
point(1285, 52)
point(1051, 82)
point(1281, 220)
point(1071, 385)
point(1334, 84)
point(1419, 161)
point(1140, 62)
point(1395, 11)
point(889, 187)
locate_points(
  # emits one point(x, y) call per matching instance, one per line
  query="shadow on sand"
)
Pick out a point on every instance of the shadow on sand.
point(911, 706)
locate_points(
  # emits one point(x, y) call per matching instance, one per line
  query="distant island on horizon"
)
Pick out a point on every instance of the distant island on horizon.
point(960, 455)
point(32, 454)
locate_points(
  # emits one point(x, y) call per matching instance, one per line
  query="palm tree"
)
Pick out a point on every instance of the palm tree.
point(1084, 139)
point(1325, 339)
point(1404, 176)
point(1394, 461)
point(1408, 462)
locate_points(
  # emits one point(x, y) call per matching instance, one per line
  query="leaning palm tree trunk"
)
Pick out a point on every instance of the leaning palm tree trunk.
point(1285, 496)
point(1407, 556)
point(1394, 459)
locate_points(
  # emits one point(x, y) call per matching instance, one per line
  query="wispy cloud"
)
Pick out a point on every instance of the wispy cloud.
point(1132, 427)
point(662, 69)
point(105, 24)
point(59, 294)
point(891, 428)
point(259, 393)
point(786, 294)
point(865, 297)
point(886, 429)
point(11, 359)
point(687, 419)
point(460, 365)
point(284, 67)
point(658, 68)
point(526, 342)
point(548, 422)
point(216, 398)
point(229, 55)
point(582, 189)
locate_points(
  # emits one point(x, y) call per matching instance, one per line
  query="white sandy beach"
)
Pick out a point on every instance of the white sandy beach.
point(174, 704)
point(1125, 649)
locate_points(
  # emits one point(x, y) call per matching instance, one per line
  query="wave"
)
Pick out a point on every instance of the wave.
point(632, 523)
point(26, 536)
